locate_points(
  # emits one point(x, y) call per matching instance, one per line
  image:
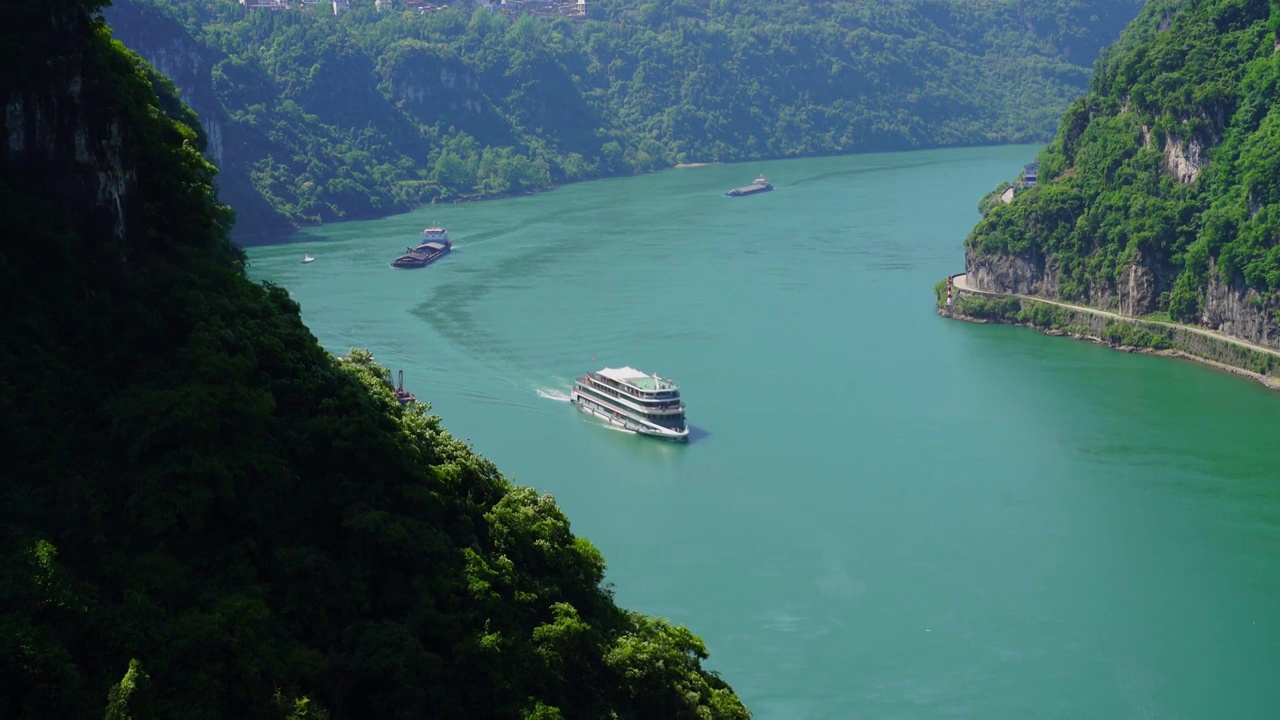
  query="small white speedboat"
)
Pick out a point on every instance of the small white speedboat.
point(307, 258)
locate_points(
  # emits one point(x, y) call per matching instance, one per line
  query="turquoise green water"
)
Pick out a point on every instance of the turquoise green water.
point(883, 514)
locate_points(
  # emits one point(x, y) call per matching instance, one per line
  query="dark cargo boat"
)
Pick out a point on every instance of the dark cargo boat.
point(435, 245)
point(760, 185)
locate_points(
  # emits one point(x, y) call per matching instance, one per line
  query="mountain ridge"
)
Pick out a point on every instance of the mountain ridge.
point(329, 118)
point(203, 514)
point(1157, 194)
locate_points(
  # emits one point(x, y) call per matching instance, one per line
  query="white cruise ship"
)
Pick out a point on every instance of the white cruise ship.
point(633, 400)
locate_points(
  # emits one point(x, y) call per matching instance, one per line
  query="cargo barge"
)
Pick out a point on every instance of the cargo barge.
point(435, 245)
point(761, 184)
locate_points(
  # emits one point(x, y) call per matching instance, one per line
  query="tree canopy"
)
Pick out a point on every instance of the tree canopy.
point(205, 515)
point(372, 112)
point(1170, 160)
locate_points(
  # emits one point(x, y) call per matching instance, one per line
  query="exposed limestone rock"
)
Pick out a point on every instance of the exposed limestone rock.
point(13, 123)
point(213, 136)
point(426, 82)
point(1184, 160)
point(1025, 275)
point(182, 63)
point(172, 52)
point(1239, 311)
point(1137, 292)
point(1230, 307)
point(46, 128)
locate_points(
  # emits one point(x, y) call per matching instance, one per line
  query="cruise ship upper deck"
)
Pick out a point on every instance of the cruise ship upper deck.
point(637, 379)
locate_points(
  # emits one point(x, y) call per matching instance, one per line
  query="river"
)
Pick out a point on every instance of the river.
point(883, 513)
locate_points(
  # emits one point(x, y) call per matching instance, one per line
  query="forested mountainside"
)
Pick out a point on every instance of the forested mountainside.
point(1161, 190)
point(316, 117)
point(203, 514)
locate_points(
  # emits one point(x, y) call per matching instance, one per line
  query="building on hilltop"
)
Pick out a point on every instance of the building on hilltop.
point(562, 8)
point(1029, 173)
point(341, 6)
point(424, 6)
point(267, 4)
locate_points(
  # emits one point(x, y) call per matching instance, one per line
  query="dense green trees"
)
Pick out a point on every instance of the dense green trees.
point(1171, 160)
point(370, 112)
point(202, 513)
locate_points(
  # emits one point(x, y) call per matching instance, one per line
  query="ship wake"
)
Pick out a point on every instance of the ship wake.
point(553, 394)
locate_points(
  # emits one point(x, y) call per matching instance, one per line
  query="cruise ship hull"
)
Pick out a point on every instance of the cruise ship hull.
point(620, 419)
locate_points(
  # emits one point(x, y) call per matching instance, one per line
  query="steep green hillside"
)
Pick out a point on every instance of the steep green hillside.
point(1161, 190)
point(203, 514)
point(372, 112)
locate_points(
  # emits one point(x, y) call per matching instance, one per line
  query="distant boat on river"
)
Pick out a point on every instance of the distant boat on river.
point(759, 185)
point(404, 397)
point(435, 245)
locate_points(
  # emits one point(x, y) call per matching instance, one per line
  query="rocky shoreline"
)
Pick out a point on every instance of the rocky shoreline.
point(1151, 338)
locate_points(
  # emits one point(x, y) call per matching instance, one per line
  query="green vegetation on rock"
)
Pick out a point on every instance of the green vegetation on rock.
point(326, 118)
point(1162, 185)
point(1043, 316)
point(1140, 334)
point(205, 515)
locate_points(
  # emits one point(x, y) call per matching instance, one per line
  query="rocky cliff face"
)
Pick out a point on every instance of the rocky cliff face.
point(53, 139)
point(1183, 161)
point(1231, 308)
point(1136, 292)
point(1240, 311)
point(164, 43)
point(431, 82)
point(1170, 149)
point(428, 89)
point(1021, 274)
point(182, 63)
point(1138, 287)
